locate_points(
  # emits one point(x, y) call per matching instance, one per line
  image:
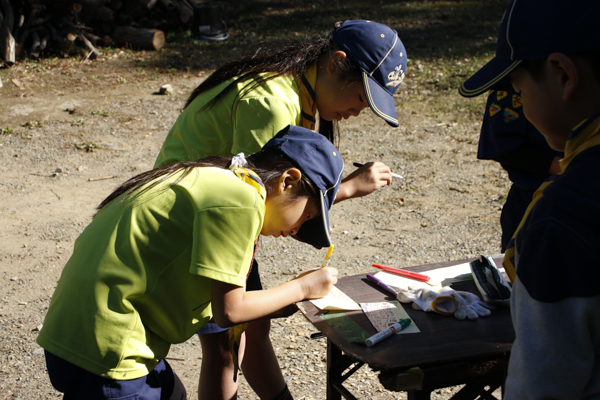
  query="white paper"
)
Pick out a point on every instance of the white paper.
point(336, 300)
point(439, 277)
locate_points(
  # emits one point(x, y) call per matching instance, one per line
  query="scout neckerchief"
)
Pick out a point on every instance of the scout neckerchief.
point(235, 332)
point(306, 85)
point(582, 137)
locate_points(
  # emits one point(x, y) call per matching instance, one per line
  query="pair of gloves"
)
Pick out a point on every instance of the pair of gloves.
point(491, 284)
point(446, 301)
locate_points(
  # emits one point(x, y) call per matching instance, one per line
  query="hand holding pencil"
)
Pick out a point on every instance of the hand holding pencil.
point(394, 175)
point(368, 178)
point(318, 282)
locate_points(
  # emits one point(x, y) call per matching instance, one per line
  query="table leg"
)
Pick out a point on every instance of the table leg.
point(337, 363)
point(480, 378)
point(418, 394)
point(333, 355)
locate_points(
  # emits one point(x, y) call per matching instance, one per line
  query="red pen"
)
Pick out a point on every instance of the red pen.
point(402, 272)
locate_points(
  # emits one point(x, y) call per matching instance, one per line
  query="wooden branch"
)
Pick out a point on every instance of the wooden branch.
point(20, 24)
point(116, 5)
point(7, 40)
point(147, 3)
point(95, 3)
point(69, 40)
point(35, 26)
point(34, 51)
point(9, 16)
point(20, 40)
point(44, 42)
point(101, 178)
point(93, 54)
point(152, 39)
point(69, 3)
point(73, 27)
point(7, 47)
point(95, 40)
point(186, 12)
point(26, 28)
point(55, 36)
point(169, 4)
point(104, 14)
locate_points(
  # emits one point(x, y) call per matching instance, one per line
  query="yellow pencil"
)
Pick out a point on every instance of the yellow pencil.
point(326, 261)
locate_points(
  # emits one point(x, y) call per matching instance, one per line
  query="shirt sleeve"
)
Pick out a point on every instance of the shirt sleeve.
point(258, 119)
point(224, 239)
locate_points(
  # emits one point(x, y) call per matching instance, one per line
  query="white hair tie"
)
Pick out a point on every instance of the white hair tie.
point(238, 161)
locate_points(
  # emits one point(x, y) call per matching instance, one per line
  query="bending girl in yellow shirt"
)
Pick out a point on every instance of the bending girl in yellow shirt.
point(243, 104)
point(170, 250)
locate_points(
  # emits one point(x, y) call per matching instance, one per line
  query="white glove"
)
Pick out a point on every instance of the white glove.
point(445, 301)
point(427, 300)
point(470, 306)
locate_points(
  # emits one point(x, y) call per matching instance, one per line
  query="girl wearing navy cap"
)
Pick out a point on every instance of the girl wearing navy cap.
point(166, 253)
point(243, 104)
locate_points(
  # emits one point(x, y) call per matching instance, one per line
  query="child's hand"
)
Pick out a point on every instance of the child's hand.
point(365, 180)
point(317, 283)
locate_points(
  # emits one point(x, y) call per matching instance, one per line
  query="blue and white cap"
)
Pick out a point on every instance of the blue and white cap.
point(378, 51)
point(532, 30)
point(322, 163)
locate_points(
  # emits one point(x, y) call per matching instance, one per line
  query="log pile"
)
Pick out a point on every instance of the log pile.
point(31, 28)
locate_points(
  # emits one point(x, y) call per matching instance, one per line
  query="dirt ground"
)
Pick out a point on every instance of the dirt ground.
point(78, 129)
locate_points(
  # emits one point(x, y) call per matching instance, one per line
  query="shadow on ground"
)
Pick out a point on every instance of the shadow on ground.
point(450, 29)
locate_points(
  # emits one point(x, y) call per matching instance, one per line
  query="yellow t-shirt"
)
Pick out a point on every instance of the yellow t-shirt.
point(232, 125)
point(139, 277)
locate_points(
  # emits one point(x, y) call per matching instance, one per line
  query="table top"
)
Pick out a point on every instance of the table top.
point(443, 339)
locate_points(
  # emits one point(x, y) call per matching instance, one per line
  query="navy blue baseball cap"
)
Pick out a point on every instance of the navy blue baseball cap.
point(321, 162)
point(378, 51)
point(532, 30)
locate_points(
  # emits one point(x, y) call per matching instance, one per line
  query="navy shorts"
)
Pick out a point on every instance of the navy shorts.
point(77, 383)
point(252, 283)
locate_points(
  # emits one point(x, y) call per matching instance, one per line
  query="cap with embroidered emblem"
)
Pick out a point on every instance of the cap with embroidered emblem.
point(378, 51)
point(322, 163)
point(532, 30)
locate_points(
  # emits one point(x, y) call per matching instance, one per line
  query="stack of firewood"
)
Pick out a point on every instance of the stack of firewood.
point(31, 28)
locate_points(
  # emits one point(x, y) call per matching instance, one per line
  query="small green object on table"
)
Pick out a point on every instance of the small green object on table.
point(345, 327)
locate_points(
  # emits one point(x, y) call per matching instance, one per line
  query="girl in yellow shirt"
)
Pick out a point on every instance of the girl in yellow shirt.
point(151, 268)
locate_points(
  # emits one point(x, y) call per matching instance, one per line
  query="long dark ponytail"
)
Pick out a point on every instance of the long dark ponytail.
point(267, 164)
point(295, 60)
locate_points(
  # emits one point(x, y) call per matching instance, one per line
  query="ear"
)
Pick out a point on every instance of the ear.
point(289, 180)
point(565, 73)
point(336, 58)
